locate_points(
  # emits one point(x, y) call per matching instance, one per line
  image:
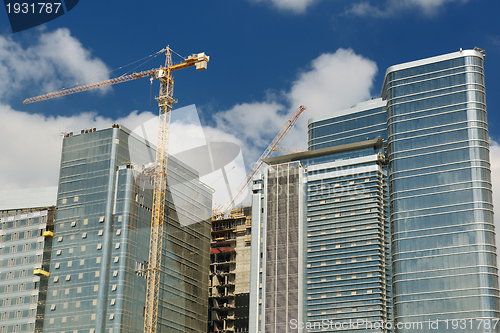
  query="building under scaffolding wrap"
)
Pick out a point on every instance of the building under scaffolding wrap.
point(101, 239)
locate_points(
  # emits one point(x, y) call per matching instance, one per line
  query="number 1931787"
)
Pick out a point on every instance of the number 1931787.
point(33, 8)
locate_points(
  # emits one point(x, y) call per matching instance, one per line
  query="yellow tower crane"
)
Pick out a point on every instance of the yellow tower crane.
point(165, 103)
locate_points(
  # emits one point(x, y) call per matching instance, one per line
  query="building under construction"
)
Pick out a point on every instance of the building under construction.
point(230, 272)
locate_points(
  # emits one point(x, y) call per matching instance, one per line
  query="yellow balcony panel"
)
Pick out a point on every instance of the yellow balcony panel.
point(41, 273)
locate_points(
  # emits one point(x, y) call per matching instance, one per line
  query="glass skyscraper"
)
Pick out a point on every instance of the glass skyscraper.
point(444, 253)
point(101, 239)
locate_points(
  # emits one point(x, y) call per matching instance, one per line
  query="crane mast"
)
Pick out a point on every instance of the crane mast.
point(165, 102)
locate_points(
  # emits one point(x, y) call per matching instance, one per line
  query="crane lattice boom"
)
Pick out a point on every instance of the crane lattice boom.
point(272, 146)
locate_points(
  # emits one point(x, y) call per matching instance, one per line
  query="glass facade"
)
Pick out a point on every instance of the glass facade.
point(347, 245)
point(364, 121)
point(101, 239)
point(444, 254)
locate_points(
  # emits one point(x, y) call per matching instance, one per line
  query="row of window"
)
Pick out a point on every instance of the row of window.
point(18, 328)
point(21, 235)
point(23, 261)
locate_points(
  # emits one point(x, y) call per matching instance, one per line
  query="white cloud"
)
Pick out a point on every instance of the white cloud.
point(392, 7)
point(294, 6)
point(331, 83)
point(57, 59)
point(495, 180)
point(334, 82)
point(31, 152)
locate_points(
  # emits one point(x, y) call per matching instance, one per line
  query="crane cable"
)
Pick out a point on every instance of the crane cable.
point(151, 56)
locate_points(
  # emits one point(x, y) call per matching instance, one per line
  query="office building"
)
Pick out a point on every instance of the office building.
point(101, 239)
point(441, 197)
point(230, 271)
point(26, 225)
point(426, 204)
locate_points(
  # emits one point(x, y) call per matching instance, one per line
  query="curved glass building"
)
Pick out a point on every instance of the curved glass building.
point(443, 241)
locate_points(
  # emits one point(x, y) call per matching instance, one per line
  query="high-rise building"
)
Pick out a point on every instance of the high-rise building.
point(413, 168)
point(444, 252)
point(101, 239)
point(230, 272)
point(26, 225)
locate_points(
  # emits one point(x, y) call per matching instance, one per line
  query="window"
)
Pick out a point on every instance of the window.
point(18, 314)
point(70, 263)
point(26, 247)
point(68, 277)
point(5, 315)
point(6, 302)
point(73, 224)
point(8, 288)
point(13, 249)
point(25, 260)
point(58, 252)
point(22, 287)
point(79, 291)
point(11, 262)
point(96, 273)
point(101, 219)
point(57, 265)
point(53, 307)
point(9, 275)
point(117, 245)
point(99, 246)
point(32, 313)
point(100, 232)
point(84, 235)
point(28, 234)
point(34, 299)
point(82, 262)
point(86, 221)
point(20, 300)
point(56, 279)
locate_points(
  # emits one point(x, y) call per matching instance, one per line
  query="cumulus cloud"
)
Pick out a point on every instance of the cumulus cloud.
point(331, 83)
point(294, 6)
point(392, 7)
point(31, 152)
point(55, 60)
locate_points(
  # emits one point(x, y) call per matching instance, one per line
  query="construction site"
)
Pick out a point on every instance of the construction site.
point(140, 245)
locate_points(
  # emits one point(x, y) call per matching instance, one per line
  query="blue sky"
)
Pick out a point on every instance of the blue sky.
point(266, 58)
